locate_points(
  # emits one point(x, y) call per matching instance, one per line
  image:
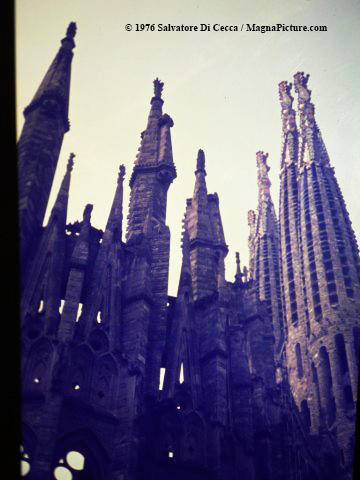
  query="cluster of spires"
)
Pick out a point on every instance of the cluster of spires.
point(306, 109)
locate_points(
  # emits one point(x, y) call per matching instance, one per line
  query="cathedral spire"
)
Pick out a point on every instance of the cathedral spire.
point(54, 90)
point(61, 202)
point(155, 147)
point(312, 148)
point(114, 222)
point(46, 122)
point(199, 222)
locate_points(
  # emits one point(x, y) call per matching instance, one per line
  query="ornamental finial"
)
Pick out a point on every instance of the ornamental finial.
point(306, 107)
point(70, 163)
point(121, 173)
point(286, 99)
point(301, 88)
point(71, 30)
point(239, 275)
point(263, 179)
point(237, 255)
point(158, 87)
point(87, 213)
point(200, 163)
point(287, 112)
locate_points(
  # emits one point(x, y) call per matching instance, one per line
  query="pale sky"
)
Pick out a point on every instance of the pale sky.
point(221, 90)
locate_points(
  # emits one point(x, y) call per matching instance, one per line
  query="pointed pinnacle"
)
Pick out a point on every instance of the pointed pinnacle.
point(200, 162)
point(238, 272)
point(71, 30)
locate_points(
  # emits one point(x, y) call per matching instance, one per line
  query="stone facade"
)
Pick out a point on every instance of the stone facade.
point(254, 379)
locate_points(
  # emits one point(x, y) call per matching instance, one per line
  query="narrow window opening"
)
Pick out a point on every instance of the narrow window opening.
point(341, 353)
point(41, 306)
point(181, 376)
point(300, 370)
point(348, 397)
point(61, 306)
point(79, 312)
point(98, 318)
point(162, 376)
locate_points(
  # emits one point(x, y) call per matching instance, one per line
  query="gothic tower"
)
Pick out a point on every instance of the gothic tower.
point(153, 173)
point(264, 246)
point(319, 243)
point(121, 381)
point(46, 122)
point(331, 273)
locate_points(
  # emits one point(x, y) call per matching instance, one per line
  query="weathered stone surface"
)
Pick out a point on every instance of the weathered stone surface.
point(258, 376)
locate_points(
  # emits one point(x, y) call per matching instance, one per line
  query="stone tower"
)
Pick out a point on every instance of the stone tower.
point(320, 267)
point(246, 379)
point(46, 122)
point(264, 246)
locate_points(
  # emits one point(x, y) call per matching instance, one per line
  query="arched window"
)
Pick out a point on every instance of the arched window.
point(327, 386)
point(169, 437)
point(79, 455)
point(305, 413)
point(300, 371)
point(103, 384)
point(356, 334)
point(193, 441)
point(39, 361)
point(81, 368)
point(70, 466)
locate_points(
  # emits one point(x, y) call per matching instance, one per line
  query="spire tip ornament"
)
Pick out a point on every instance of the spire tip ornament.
point(121, 173)
point(70, 163)
point(200, 162)
point(158, 87)
point(71, 30)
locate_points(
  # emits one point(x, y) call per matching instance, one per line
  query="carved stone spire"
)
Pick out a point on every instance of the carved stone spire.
point(288, 113)
point(312, 147)
point(114, 222)
point(46, 122)
point(61, 202)
point(199, 222)
point(306, 107)
point(290, 135)
point(55, 86)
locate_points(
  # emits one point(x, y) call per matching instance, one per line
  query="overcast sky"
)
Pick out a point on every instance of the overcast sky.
point(221, 90)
